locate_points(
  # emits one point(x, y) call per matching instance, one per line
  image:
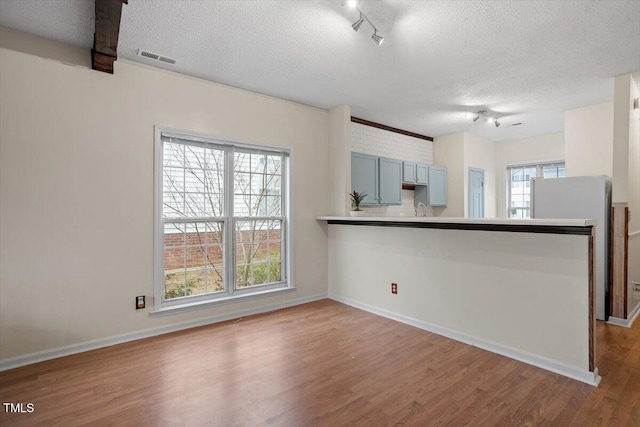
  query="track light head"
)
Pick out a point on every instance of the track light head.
point(475, 119)
point(490, 119)
point(376, 38)
point(497, 123)
point(356, 25)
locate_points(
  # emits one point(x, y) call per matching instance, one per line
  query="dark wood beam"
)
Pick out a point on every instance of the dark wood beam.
point(105, 38)
point(389, 128)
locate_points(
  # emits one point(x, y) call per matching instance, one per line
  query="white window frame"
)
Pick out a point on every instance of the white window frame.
point(162, 306)
point(539, 166)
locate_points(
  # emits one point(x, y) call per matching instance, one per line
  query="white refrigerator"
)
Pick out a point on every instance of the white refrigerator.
point(580, 197)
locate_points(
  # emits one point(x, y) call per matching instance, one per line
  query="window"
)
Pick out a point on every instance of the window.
point(221, 219)
point(519, 185)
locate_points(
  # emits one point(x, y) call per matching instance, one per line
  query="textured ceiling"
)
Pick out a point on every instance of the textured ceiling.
point(528, 61)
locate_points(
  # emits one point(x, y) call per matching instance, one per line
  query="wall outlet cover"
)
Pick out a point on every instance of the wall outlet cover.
point(140, 303)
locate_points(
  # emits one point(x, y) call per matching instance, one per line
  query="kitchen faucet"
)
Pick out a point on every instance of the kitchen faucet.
point(424, 209)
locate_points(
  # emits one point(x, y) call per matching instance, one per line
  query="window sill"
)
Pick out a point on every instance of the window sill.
point(191, 306)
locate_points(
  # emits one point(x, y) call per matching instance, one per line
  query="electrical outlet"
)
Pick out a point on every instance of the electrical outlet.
point(394, 288)
point(140, 304)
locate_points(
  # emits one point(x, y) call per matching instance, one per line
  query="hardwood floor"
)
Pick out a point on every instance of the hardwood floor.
point(322, 363)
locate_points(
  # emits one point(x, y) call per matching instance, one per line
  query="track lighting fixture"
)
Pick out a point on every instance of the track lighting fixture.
point(356, 25)
point(483, 113)
point(378, 39)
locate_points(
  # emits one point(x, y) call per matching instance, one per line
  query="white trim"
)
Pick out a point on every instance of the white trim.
point(220, 140)
point(192, 305)
point(41, 356)
point(591, 378)
point(158, 225)
point(625, 323)
point(535, 163)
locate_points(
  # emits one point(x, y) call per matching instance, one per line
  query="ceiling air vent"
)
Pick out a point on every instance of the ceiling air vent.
point(155, 57)
point(516, 124)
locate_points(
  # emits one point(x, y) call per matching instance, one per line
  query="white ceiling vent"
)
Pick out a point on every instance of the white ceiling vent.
point(155, 57)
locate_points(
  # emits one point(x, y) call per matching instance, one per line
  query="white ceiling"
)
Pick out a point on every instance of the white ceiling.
point(528, 61)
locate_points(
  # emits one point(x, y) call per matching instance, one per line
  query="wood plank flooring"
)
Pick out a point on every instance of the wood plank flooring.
point(320, 364)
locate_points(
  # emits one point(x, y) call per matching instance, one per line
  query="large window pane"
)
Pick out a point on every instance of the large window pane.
point(258, 252)
point(257, 185)
point(193, 259)
point(193, 181)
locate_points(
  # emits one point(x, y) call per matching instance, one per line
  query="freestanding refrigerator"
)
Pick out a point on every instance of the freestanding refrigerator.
point(580, 197)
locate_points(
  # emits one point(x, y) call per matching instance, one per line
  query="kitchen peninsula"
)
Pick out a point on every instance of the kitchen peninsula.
point(521, 288)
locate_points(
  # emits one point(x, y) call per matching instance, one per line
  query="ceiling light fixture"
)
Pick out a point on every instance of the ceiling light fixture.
point(484, 114)
point(356, 25)
point(378, 39)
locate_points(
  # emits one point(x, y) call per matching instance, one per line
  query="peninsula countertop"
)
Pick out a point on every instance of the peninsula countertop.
point(536, 225)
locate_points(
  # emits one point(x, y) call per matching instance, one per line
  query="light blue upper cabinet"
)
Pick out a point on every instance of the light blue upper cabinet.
point(409, 172)
point(422, 174)
point(390, 181)
point(364, 176)
point(437, 186)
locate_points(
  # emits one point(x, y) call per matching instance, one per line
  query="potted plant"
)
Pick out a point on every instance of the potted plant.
point(356, 199)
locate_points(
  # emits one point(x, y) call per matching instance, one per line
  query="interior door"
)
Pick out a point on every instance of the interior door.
point(476, 193)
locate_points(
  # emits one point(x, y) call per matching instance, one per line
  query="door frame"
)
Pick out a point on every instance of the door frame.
point(469, 198)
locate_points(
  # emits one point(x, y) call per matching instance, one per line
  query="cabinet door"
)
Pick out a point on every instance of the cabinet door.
point(364, 177)
point(437, 186)
point(390, 181)
point(409, 172)
point(422, 174)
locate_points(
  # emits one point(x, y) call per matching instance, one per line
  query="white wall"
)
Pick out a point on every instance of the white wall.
point(76, 191)
point(604, 139)
point(458, 152)
point(484, 286)
point(622, 110)
point(379, 142)
point(588, 140)
point(480, 153)
point(448, 150)
point(633, 195)
point(340, 159)
point(537, 149)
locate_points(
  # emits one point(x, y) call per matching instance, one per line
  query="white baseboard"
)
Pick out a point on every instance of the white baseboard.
point(625, 323)
point(41, 356)
point(591, 378)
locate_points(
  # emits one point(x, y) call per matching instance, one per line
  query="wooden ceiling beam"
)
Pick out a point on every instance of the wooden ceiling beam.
point(105, 38)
